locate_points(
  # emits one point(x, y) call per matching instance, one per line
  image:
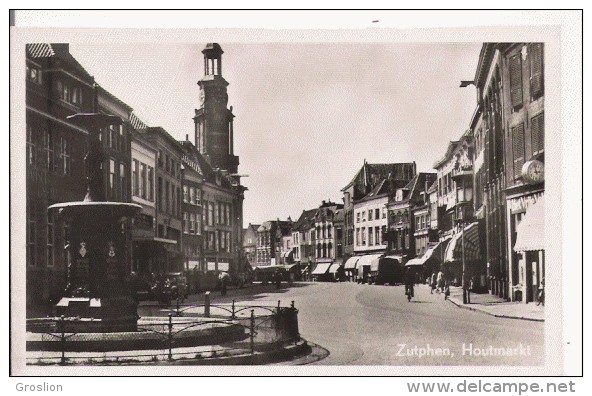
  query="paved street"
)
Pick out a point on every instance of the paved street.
point(375, 325)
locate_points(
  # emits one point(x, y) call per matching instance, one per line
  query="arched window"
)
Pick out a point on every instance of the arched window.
point(325, 250)
point(330, 250)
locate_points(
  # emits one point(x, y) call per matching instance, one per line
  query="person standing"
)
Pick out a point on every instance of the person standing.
point(440, 282)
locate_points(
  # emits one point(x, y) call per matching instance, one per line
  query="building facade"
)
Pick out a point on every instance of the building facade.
point(523, 111)
point(57, 86)
point(167, 249)
point(143, 177)
point(365, 180)
point(250, 243)
point(401, 220)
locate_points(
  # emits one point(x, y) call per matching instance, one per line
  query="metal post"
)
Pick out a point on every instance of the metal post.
point(170, 337)
point(207, 304)
point(464, 267)
point(62, 329)
point(233, 314)
point(178, 308)
point(278, 309)
point(252, 331)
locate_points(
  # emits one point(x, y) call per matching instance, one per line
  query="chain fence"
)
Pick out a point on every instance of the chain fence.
point(179, 332)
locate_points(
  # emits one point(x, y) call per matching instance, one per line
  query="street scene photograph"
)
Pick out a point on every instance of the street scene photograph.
point(193, 204)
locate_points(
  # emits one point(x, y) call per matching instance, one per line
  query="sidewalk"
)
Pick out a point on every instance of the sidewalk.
point(497, 306)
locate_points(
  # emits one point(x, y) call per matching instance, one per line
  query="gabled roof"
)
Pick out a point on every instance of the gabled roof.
point(55, 50)
point(417, 184)
point(453, 146)
point(305, 220)
point(370, 175)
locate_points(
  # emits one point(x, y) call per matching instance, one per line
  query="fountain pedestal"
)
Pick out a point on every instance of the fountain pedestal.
point(97, 297)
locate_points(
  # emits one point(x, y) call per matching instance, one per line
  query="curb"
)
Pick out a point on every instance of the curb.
point(463, 306)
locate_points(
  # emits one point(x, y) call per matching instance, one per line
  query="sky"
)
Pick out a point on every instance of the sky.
point(307, 115)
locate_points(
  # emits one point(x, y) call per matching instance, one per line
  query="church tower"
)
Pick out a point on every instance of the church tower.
point(213, 121)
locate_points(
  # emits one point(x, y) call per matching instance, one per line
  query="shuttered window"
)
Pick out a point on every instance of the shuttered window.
point(538, 133)
point(516, 80)
point(518, 148)
point(536, 70)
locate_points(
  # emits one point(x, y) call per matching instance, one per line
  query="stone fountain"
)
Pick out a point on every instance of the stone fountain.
point(97, 298)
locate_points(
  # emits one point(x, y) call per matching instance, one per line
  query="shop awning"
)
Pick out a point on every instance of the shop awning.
point(374, 264)
point(321, 269)
point(350, 264)
point(334, 267)
point(437, 251)
point(472, 246)
point(531, 230)
point(397, 257)
point(367, 260)
point(415, 262)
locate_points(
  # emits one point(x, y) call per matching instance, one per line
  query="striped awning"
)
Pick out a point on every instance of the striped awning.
point(437, 251)
point(321, 269)
point(469, 238)
point(531, 230)
point(351, 262)
point(367, 260)
point(334, 268)
point(415, 261)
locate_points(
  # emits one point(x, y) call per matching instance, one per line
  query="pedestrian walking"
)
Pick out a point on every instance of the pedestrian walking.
point(433, 282)
point(440, 282)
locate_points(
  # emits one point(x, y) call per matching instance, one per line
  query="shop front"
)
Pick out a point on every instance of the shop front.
point(463, 259)
point(530, 250)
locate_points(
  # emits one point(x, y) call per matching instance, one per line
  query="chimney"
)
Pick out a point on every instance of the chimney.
point(186, 137)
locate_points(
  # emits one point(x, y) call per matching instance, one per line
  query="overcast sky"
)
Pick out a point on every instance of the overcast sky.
point(307, 115)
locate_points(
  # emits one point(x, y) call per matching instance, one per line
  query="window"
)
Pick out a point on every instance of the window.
point(516, 80)
point(112, 141)
point(31, 149)
point(143, 180)
point(34, 74)
point(537, 126)
point(536, 70)
point(211, 213)
point(77, 96)
point(136, 178)
point(122, 188)
point(357, 237)
point(186, 222)
point(192, 195)
point(363, 236)
point(112, 177)
point(370, 213)
point(384, 213)
point(151, 183)
point(65, 159)
point(329, 231)
point(357, 217)
point(197, 196)
point(31, 233)
point(370, 237)
point(518, 148)
point(377, 214)
point(192, 224)
point(185, 194)
point(167, 194)
point(198, 224)
point(48, 149)
point(178, 202)
point(363, 216)
point(377, 235)
point(50, 239)
point(216, 208)
point(229, 215)
point(160, 194)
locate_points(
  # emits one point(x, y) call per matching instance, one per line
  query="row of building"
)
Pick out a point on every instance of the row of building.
point(479, 217)
point(189, 190)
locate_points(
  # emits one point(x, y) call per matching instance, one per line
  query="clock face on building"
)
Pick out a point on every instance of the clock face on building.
point(533, 172)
